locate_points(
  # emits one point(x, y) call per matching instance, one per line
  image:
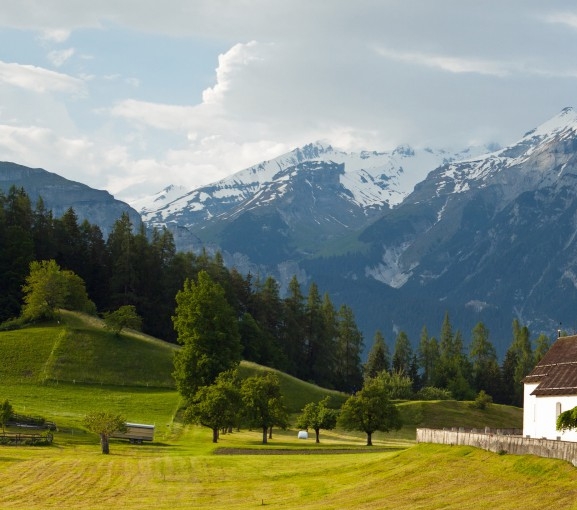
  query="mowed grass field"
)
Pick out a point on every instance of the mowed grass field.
point(63, 371)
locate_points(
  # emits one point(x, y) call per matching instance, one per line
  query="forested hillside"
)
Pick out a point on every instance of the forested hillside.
point(302, 333)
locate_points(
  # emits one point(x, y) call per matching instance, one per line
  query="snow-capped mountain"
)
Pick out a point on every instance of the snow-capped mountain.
point(406, 235)
point(527, 164)
point(369, 180)
point(491, 238)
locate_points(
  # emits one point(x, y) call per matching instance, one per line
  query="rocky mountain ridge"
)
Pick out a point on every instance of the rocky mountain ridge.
point(486, 237)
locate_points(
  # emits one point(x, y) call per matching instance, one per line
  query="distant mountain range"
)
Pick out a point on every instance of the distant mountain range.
point(488, 234)
point(485, 234)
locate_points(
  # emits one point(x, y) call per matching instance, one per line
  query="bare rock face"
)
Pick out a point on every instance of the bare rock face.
point(59, 194)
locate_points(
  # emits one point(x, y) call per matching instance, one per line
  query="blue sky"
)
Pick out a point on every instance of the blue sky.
point(131, 96)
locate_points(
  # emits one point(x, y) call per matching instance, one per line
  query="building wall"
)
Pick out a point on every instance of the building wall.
point(540, 415)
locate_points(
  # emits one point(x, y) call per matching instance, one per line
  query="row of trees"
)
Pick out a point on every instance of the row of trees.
point(445, 363)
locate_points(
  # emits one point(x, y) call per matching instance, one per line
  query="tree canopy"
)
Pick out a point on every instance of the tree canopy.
point(104, 423)
point(48, 288)
point(317, 416)
point(207, 328)
point(124, 317)
point(263, 403)
point(370, 410)
point(216, 406)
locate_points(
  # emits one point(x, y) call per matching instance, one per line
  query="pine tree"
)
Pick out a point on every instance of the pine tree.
point(428, 357)
point(378, 359)
point(402, 354)
point(348, 351)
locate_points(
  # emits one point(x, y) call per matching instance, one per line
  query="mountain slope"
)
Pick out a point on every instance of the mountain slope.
point(488, 238)
point(59, 194)
point(295, 206)
point(492, 238)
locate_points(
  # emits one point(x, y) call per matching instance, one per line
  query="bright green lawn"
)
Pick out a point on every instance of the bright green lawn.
point(182, 468)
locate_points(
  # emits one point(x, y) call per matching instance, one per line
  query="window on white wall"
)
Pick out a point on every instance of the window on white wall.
point(557, 409)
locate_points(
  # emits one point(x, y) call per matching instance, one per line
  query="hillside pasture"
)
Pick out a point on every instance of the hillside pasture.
point(40, 373)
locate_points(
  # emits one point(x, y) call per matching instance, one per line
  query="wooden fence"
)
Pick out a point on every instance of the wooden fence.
point(15, 439)
point(501, 441)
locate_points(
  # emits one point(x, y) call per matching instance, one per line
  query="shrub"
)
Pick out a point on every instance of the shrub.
point(482, 401)
point(434, 393)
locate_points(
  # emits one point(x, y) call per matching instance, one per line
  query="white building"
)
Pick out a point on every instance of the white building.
point(550, 389)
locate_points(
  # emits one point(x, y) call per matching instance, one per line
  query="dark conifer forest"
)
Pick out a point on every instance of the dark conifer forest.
point(301, 333)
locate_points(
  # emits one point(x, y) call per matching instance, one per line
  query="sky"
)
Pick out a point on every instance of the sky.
point(134, 95)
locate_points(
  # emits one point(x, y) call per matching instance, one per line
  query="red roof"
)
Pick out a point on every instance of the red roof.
point(556, 373)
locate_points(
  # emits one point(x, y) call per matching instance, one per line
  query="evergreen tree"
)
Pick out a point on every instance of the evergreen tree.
point(120, 246)
point(266, 308)
point(542, 346)
point(348, 351)
point(333, 373)
point(43, 232)
point(484, 362)
point(207, 329)
point(402, 354)
point(452, 371)
point(17, 249)
point(293, 334)
point(315, 339)
point(97, 271)
point(378, 359)
point(71, 251)
point(428, 357)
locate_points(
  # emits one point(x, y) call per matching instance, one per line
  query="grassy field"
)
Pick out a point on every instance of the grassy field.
point(63, 371)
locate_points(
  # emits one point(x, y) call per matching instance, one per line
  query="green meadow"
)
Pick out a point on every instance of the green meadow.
point(62, 371)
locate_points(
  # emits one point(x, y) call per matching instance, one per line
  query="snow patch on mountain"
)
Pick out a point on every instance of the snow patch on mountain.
point(390, 270)
point(458, 176)
point(370, 179)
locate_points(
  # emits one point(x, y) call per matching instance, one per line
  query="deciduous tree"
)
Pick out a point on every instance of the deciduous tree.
point(370, 410)
point(317, 416)
point(124, 317)
point(567, 420)
point(104, 423)
point(263, 403)
point(48, 288)
point(216, 406)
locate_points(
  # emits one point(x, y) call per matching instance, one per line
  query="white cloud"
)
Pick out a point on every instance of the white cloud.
point(59, 57)
point(233, 83)
point(563, 18)
point(449, 63)
point(55, 35)
point(38, 79)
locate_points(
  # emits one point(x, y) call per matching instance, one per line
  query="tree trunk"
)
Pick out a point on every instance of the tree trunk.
point(104, 444)
point(264, 434)
point(215, 435)
point(270, 433)
point(317, 433)
point(369, 439)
